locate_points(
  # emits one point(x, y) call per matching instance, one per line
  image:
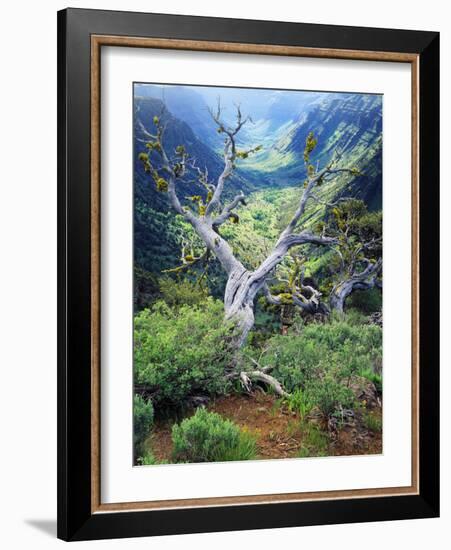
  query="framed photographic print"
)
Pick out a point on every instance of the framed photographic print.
point(248, 274)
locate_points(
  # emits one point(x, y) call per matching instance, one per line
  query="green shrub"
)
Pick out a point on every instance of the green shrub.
point(294, 359)
point(366, 301)
point(337, 332)
point(373, 377)
point(314, 442)
point(330, 395)
point(148, 459)
point(178, 353)
point(142, 422)
point(207, 437)
point(311, 351)
point(179, 292)
point(300, 402)
point(372, 422)
point(353, 317)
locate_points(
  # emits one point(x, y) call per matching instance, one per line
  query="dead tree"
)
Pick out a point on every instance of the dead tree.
point(358, 249)
point(208, 212)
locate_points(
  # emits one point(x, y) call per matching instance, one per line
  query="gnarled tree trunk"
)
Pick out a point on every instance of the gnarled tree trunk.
point(364, 280)
point(242, 285)
point(238, 304)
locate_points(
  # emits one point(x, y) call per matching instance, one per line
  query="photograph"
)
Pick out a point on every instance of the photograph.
point(257, 274)
point(248, 272)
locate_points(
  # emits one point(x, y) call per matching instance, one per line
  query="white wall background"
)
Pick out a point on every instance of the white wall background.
point(28, 273)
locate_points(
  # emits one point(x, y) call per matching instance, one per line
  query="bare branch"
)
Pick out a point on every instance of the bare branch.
point(188, 262)
point(322, 175)
point(246, 378)
point(281, 248)
point(229, 153)
point(202, 175)
point(296, 298)
point(188, 258)
point(240, 121)
point(146, 132)
point(266, 369)
point(227, 211)
point(302, 204)
point(306, 237)
point(268, 380)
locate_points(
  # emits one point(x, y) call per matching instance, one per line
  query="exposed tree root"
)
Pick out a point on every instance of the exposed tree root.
point(267, 379)
point(247, 377)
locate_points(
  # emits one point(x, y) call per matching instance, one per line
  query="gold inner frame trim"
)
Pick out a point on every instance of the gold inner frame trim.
point(97, 41)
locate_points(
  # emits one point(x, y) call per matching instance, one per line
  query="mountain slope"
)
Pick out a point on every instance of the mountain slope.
point(350, 122)
point(188, 106)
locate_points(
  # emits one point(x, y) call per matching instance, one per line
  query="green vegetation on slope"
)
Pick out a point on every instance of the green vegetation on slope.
point(182, 347)
point(181, 352)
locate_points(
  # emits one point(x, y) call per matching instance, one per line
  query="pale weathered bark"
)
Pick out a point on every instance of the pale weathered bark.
point(364, 280)
point(260, 374)
point(242, 285)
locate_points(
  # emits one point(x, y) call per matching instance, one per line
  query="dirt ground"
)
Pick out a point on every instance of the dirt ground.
point(278, 431)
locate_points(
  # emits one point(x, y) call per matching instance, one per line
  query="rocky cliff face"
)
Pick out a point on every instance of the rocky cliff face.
point(353, 123)
point(350, 122)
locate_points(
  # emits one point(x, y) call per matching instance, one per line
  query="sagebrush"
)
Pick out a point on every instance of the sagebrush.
point(207, 437)
point(183, 352)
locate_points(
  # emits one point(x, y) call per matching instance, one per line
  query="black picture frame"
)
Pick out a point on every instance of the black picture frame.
point(76, 521)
